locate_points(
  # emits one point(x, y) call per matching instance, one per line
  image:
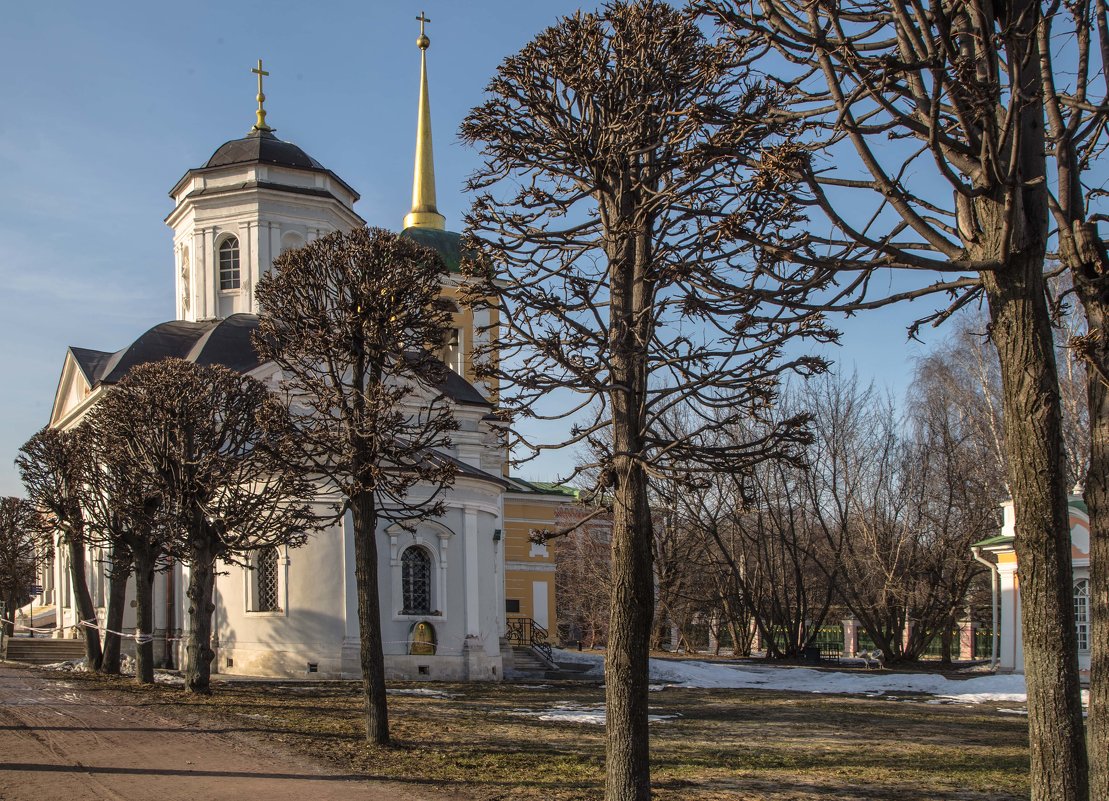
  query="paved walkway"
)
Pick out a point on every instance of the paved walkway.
point(67, 740)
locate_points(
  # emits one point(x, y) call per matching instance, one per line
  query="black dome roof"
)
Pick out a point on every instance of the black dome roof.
point(264, 147)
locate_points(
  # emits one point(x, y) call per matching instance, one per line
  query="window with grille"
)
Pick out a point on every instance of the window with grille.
point(229, 263)
point(1082, 614)
point(416, 581)
point(265, 573)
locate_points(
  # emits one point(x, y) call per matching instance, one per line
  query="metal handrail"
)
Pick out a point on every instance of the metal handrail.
point(526, 631)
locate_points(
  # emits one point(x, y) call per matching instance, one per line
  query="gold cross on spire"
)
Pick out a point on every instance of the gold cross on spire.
point(260, 124)
point(423, 41)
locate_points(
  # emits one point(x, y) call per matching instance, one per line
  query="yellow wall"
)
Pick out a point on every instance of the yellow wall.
point(521, 517)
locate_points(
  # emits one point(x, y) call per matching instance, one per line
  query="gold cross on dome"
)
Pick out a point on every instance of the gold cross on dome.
point(422, 19)
point(260, 125)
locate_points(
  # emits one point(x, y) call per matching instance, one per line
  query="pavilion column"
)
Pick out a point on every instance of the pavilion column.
point(850, 637)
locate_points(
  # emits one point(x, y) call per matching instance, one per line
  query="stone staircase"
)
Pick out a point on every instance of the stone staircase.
point(529, 665)
point(42, 650)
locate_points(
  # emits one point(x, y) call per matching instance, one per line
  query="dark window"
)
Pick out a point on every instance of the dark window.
point(512, 606)
point(229, 263)
point(265, 571)
point(416, 581)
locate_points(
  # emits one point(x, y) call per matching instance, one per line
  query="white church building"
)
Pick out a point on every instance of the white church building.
point(455, 592)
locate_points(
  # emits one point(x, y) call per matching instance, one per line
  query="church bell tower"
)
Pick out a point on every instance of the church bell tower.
point(253, 199)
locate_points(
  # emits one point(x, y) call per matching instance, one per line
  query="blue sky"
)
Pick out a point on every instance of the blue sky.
point(105, 106)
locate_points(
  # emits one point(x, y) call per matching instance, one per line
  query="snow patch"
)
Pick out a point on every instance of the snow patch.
point(593, 715)
point(426, 693)
point(715, 675)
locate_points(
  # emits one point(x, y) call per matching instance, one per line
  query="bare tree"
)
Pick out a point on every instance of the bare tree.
point(604, 224)
point(916, 103)
point(354, 321)
point(582, 575)
point(958, 488)
point(21, 543)
point(1075, 79)
point(52, 465)
point(123, 506)
point(207, 442)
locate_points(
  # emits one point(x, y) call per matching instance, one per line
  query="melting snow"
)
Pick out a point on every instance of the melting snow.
point(690, 673)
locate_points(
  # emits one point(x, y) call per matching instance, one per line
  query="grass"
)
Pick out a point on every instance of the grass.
point(725, 744)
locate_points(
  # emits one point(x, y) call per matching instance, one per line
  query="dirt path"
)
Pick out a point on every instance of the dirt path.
point(68, 741)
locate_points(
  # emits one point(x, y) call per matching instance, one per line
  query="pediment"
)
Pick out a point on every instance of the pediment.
point(74, 388)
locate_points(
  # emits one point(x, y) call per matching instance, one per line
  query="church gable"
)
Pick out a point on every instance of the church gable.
point(76, 383)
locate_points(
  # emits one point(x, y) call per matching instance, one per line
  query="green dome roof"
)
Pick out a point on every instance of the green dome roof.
point(447, 243)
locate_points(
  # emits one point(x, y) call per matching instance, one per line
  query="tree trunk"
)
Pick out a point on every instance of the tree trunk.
point(1085, 254)
point(1021, 333)
point(9, 609)
point(200, 592)
point(117, 603)
point(946, 641)
point(626, 661)
point(371, 652)
point(144, 601)
point(86, 612)
point(1097, 501)
point(627, 743)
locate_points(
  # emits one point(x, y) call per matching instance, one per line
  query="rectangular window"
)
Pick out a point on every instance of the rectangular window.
point(265, 578)
point(1082, 614)
point(512, 606)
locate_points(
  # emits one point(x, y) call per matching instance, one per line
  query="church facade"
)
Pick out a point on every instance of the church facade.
point(451, 590)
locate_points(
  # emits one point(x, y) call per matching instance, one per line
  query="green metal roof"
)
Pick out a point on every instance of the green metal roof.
point(993, 542)
point(447, 243)
point(548, 488)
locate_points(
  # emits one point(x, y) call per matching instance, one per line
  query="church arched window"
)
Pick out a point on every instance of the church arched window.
point(1082, 614)
point(416, 581)
point(229, 263)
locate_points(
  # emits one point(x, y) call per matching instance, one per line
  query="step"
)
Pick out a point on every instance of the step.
point(44, 651)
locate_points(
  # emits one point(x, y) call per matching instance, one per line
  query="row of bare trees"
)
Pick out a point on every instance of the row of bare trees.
point(202, 466)
point(881, 152)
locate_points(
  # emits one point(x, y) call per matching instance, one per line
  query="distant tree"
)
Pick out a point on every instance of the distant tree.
point(928, 155)
point(604, 225)
point(123, 506)
point(957, 488)
point(355, 322)
point(21, 543)
point(582, 576)
point(206, 441)
point(52, 465)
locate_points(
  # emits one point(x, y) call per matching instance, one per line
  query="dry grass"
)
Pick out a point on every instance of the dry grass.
point(726, 744)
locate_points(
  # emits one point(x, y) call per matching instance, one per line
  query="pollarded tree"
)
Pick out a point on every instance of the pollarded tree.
point(207, 442)
point(21, 540)
point(123, 511)
point(929, 156)
point(355, 322)
point(604, 221)
point(52, 464)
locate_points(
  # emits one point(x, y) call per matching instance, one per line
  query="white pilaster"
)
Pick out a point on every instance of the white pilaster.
point(473, 583)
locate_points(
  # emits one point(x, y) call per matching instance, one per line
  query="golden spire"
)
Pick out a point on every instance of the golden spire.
point(424, 214)
point(260, 124)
